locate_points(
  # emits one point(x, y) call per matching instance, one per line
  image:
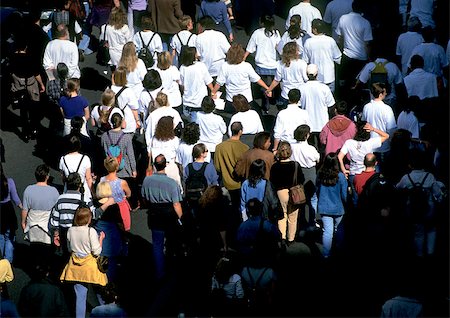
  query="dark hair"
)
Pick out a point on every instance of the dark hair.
point(109, 293)
point(236, 127)
point(208, 104)
point(295, 31)
point(74, 144)
point(268, 22)
point(412, 104)
point(260, 139)
point(146, 21)
point(254, 207)
point(284, 150)
point(256, 172)
point(198, 150)
point(294, 95)
point(73, 181)
point(152, 80)
point(213, 195)
point(240, 103)
point(191, 133)
point(160, 162)
point(361, 133)
point(319, 25)
point(60, 31)
point(328, 174)
point(206, 22)
point(341, 107)
point(41, 173)
point(417, 61)
point(4, 184)
point(377, 88)
point(116, 120)
point(301, 132)
point(76, 122)
point(224, 267)
point(417, 159)
point(428, 34)
point(188, 56)
point(62, 70)
point(164, 129)
point(357, 6)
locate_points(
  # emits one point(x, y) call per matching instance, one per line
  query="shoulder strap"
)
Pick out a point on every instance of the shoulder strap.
point(424, 178)
point(261, 276)
point(120, 138)
point(154, 33)
point(120, 92)
point(79, 164)
point(179, 39)
point(64, 160)
point(295, 173)
point(411, 180)
point(109, 137)
point(189, 38)
point(203, 168)
point(104, 33)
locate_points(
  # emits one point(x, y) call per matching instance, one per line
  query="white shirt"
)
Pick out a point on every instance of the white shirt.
point(167, 148)
point(323, 51)
point(423, 9)
point(409, 122)
point(357, 150)
point(250, 120)
point(286, 39)
point(153, 119)
point(305, 154)
point(334, 11)
point(135, 78)
point(145, 99)
point(62, 51)
point(308, 14)
point(116, 40)
point(433, 56)
point(184, 35)
point(421, 83)
point(194, 78)
point(356, 31)
point(212, 129)
point(237, 78)
point(394, 76)
point(184, 154)
point(380, 116)
point(291, 77)
point(316, 98)
point(212, 47)
point(155, 46)
point(265, 48)
point(127, 102)
point(72, 161)
point(170, 78)
point(405, 44)
point(288, 120)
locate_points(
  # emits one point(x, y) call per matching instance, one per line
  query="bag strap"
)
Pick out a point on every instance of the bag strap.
point(151, 38)
point(424, 178)
point(414, 184)
point(189, 38)
point(120, 138)
point(295, 173)
point(120, 92)
point(64, 160)
point(179, 39)
point(79, 164)
point(104, 34)
point(109, 137)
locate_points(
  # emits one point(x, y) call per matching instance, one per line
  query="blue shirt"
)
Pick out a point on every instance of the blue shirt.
point(73, 106)
point(248, 192)
point(331, 198)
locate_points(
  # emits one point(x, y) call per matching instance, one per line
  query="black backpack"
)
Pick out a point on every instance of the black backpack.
point(184, 46)
point(377, 194)
point(417, 200)
point(196, 182)
point(145, 54)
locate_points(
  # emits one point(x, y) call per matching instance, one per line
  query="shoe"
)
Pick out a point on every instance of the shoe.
point(289, 243)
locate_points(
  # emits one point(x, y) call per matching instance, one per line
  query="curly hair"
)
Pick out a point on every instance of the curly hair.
point(129, 58)
point(117, 18)
point(290, 52)
point(191, 133)
point(235, 54)
point(361, 133)
point(284, 150)
point(329, 171)
point(164, 129)
point(161, 100)
point(212, 196)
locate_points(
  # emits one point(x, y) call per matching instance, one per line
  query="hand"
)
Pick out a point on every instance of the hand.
point(231, 37)
point(214, 95)
point(101, 236)
point(134, 174)
point(56, 240)
point(24, 225)
point(368, 127)
point(138, 124)
point(42, 88)
point(268, 93)
point(346, 173)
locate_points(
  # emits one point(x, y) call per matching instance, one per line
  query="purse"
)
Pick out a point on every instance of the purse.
point(103, 56)
point(297, 192)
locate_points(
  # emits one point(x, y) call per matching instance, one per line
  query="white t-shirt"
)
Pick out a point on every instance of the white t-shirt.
point(423, 9)
point(186, 37)
point(135, 78)
point(334, 11)
point(291, 77)
point(250, 120)
point(308, 14)
point(194, 79)
point(409, 122)
point(145, 99)
point(170, 78)
point(127, 102)
point(212, 129)
point(286, 39)
point(420, 83)
point(380, 116)
point(212, 47)
point(405, 44)
point(305, 154)
point(433, 56)
point(72, 162)
point(116, 40)
point(62, 51)
point(155, 46)
point(95, 115)
point(265, 48)
point(316, 98)
point(288, 120)
point(356, 31)
point(153, 119)
point(357, 150)
point(237, 78)
point(323, 51)
point(167, 148)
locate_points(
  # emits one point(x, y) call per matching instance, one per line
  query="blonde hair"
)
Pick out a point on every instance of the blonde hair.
point(108, 97)
point(111, 164)
point(162, 99)
point(120, 76)
point(129, 58)
point(103, 190)
point(117, 18)
point(290, 53)
point(164, 60)
point(184, 22)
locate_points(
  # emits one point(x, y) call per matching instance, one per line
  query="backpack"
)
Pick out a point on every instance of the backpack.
point(196, 182)
point(377, 194)
point(417, 200)
point(256, 294)
point(115, 151)
point(184, 46)
point(104, 118)
point(145, 54)
point(380, 75)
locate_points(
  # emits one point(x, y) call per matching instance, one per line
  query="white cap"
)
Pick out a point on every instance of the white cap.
point(312, 69)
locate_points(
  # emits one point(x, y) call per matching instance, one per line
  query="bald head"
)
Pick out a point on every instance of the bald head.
point(370, 160)
point(160, 162)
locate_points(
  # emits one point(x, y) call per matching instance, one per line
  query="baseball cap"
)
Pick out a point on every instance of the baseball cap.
point(312, 69)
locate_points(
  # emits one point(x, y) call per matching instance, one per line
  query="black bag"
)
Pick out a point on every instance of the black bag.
point(272, 209)
point(196, 182)
point(144, 54)
point(183, 46)
point(377, 194)
point(103, 56)
point(418, 198)
point(257, 295)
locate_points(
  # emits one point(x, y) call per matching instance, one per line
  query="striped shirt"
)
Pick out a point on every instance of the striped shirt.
point(64, 210)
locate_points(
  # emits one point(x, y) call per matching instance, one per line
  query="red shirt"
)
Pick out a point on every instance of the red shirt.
point(360, 180)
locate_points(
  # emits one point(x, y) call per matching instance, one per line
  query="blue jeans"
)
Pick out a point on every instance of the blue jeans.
point(158, 252)
point(330, 225)
point(351, 178)
point(81, 297)
point(6, 246)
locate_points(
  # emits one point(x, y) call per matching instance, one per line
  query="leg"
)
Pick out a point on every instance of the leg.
point(327, 236)
point(158, 252)
point(283, 196)
point(292, 225)
point(81, 297)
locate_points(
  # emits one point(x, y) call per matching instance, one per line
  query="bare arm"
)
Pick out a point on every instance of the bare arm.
point(126, 188)
point(384, 136)
point(24, 218)
point(261, 83)
point(177, 208)
point(87, 113)
point(89, 182)
point(215, 89)
point(247, 53)
point(341, 164)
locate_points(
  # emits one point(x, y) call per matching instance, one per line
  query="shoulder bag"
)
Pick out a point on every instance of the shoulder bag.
point(296, 192)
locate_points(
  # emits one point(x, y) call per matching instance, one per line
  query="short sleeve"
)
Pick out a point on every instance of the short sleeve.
point(253, 76)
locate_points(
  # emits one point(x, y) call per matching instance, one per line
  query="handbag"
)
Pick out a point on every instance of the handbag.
point(102, 261)
point(103, 56)
point(297, 192)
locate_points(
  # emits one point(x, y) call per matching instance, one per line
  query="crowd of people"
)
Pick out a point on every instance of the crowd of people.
point(184, 133)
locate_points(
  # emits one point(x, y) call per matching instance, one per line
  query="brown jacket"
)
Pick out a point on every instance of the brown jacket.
point(225, 158)
point(243, 165)
point(165, 15)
